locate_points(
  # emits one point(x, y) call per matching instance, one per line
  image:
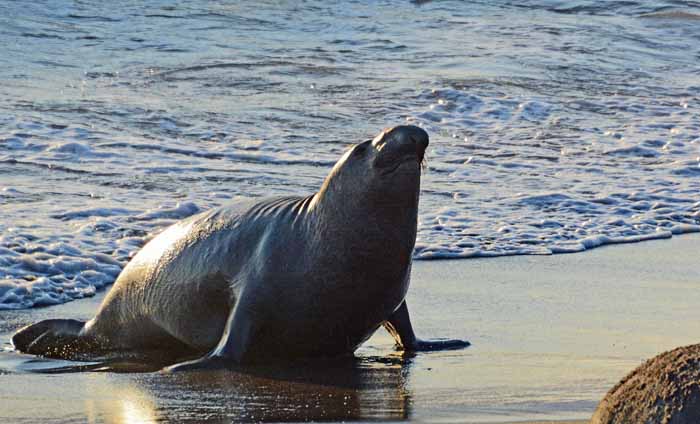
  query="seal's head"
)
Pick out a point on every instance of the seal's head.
point(382, 172)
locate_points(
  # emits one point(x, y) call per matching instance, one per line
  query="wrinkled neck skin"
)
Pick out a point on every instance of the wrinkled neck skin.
point(375, 221)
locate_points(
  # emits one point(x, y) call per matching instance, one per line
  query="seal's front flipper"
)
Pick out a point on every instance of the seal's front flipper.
point(233, 345)
point(53, 338)
point(399, 326)
point(438, 344)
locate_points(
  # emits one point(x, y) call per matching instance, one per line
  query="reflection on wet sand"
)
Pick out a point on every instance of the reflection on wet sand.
point(130, 405)
point(345, 390)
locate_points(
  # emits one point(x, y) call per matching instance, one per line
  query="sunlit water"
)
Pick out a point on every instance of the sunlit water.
point(555, 127)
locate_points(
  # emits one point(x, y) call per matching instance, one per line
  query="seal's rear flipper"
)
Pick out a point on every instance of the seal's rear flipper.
point(53, 338)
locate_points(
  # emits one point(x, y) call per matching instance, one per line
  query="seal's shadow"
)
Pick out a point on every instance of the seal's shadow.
point(366, 388)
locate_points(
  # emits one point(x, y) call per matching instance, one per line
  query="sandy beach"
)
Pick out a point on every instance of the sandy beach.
point(550, 335)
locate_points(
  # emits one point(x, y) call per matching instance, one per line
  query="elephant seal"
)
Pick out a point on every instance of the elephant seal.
point(284, 277)
point(665, 389)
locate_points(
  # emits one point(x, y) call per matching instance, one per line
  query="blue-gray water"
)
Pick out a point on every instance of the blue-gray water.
point(555, 126)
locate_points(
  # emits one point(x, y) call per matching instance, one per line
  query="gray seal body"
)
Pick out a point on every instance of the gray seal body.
point(284, 277)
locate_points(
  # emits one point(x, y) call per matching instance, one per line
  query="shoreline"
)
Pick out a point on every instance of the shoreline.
point(580, 246)
point(587, 245)
point(550, 335)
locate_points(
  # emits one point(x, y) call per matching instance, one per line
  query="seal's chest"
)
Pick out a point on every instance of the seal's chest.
point(353, 308)
point(330, 311)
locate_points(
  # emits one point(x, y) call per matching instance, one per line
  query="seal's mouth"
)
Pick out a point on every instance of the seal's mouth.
point(399, 146)
point(407, 159)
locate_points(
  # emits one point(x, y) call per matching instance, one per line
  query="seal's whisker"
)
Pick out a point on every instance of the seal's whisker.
point(424, 164)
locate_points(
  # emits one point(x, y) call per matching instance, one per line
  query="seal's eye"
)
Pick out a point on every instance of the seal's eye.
point(361, 148)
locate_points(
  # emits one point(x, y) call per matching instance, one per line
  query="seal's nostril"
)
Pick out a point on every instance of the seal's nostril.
point(420, 138)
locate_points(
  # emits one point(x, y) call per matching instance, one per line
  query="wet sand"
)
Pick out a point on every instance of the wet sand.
point(550, 335)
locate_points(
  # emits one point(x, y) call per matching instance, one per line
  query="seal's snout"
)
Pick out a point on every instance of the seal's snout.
point(409, 137)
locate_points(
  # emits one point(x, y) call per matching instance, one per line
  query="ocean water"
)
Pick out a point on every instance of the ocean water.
point(556, 126)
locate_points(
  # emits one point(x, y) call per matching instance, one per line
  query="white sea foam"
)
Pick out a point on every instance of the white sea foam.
point(40, 272)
